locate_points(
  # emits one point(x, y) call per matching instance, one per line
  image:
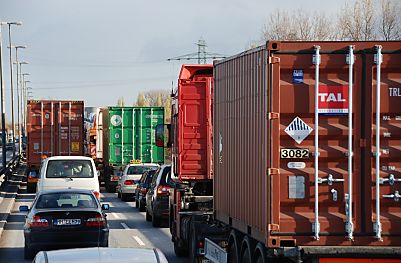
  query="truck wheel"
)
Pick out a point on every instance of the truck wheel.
point(148, 217)
point(142, 207)
point(156, 221)
point(193, 249)
point(180, 249)
point(260, 254)
point(247, 247)
point(233, 248)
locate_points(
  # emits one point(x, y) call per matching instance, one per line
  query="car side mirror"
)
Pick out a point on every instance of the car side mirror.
point(105, 206)
point(23, 208)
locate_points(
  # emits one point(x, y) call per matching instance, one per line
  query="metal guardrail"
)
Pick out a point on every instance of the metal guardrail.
point(5, 172)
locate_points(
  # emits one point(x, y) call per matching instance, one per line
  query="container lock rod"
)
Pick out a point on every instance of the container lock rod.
point(349, 225)
point(316, 62)
point(378, 61)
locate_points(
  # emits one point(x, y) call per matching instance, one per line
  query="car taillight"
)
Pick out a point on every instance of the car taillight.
point(163, 190)
point(143, 190)
point(37, 222)
point(97, 221)
point(128, 182)
point(97, 194)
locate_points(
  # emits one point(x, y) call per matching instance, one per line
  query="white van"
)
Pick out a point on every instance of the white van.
point(60, 172)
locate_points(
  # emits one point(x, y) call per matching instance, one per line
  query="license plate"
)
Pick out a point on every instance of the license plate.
point(294, 153)
point(67, 222)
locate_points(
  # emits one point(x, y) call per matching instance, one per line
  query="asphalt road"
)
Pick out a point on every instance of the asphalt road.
point(128, 228)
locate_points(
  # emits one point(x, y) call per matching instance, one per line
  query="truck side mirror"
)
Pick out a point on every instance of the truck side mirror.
point(160, 135)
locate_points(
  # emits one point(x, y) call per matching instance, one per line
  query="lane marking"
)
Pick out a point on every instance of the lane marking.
point(137, 239)
point(125, 226)
point(115, 215)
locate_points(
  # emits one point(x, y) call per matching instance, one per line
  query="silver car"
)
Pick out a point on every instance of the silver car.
point(102, 255)
point(128, 182)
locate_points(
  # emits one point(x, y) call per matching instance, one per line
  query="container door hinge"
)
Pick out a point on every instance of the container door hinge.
point(273, 115)
point(273, 228)
point(272, 171)
point(274, 60)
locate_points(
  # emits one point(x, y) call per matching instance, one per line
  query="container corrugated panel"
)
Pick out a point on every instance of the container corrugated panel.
point(192, 120)
point(130, 135)
point(288, 193)
point(54, 128)
point(240, 138)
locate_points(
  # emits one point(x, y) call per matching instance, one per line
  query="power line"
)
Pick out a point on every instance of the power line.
point(201, 55)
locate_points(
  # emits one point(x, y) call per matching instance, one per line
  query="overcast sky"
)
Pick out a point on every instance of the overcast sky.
point(99, 50)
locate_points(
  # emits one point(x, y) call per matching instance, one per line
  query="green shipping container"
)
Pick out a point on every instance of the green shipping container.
point(129, 134)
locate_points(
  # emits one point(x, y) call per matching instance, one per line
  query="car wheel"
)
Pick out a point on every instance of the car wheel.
point(30, 188)
point(28, 252)
point(118, 194)
point(148, 216)
point(156, 221)
point(136, 203)
point(142, 207)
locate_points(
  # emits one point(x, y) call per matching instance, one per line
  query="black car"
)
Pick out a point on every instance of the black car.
point(65, 218)
point(142, 189)
point(157, 197)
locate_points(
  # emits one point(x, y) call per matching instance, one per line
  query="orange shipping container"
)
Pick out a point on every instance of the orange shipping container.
point(300, 156)
point(54, 128)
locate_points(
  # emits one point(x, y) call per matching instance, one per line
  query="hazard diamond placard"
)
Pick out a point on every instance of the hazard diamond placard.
point(298, 130)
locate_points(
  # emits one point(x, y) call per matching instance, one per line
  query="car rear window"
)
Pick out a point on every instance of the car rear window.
point(140, 169)
point(66, 200)
point(166, 178)
point(69, 168)
point(149, 177)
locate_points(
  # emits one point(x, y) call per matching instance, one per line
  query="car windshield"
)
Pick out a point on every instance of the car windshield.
point(66, 200)
point(140, 169)
point(69, 168)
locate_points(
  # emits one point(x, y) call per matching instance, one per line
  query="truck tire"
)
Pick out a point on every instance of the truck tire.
point(247, 248)
point(233, 247)
point(260, 254)
point(148, 217)
point(192, 248)
point(141, 208)
point(180, 249)
point(156, 221)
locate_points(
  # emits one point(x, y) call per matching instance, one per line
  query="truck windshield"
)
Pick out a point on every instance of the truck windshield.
point(69, 168)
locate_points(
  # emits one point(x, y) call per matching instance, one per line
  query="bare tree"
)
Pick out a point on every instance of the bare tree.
point(121, 102)
point(357, 22)
point(390, 20)
point(141, 101)
point(298, 25)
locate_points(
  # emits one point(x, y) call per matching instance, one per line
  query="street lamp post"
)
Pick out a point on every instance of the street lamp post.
point(23, 103)
point(3, 111)
point(12, 92)
point(17, 65)
point(12, 82)
point(27, 96)
point(19, 102)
